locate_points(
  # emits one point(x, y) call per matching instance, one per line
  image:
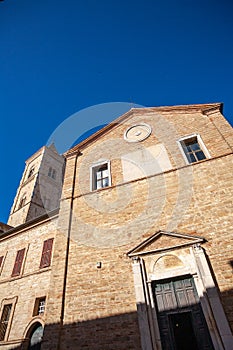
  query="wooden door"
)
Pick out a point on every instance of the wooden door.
point(181, 320)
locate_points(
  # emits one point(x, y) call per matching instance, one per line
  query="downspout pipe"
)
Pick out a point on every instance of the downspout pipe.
point(67, 251)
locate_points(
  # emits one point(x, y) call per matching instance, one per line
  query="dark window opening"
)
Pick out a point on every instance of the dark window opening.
point(192, 150)
point(39, 307)
point(22, 202)
point(52, 173)
point(31, 172)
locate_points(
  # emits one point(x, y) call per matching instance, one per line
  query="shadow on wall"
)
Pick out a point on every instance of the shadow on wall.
point(121, 332)
point(118, 332)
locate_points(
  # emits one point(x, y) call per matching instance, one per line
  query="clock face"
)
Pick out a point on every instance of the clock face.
point(137, 132)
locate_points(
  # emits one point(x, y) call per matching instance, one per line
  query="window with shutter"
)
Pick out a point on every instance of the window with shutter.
point(46, 253)
point(1, 263)
point(1, 260)
point(18, 262)
point(5, 320)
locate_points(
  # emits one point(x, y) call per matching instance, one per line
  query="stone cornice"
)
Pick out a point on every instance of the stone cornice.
point(152, 245)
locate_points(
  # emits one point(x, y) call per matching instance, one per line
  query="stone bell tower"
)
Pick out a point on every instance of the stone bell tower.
point(40, 187)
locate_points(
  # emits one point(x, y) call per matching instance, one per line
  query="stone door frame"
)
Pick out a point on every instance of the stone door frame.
point(194, 263)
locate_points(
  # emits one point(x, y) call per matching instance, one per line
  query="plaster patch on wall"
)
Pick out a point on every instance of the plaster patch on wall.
point(145, 162)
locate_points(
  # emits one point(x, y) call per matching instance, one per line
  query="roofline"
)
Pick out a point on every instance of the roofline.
point(37, 221)
point(201, 107)
point(40, 151)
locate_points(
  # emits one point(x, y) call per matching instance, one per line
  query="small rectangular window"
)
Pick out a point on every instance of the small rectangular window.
point(194, 149)
point(101, 176)
point(31, 172)
point(39, 307)
point(46, 253)
point(18, 262)
point(5, 320)
point(22, 201)
point(52, 173)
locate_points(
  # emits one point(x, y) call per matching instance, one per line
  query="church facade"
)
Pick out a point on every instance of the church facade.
point(125, 241)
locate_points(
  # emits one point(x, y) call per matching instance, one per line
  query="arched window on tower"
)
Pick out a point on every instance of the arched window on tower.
point(31, 172)
point(22, 201)
point(52, 173)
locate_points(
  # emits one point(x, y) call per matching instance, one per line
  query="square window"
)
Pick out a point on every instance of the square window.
point(193, 149)
point(100, 176)
point(39, 307)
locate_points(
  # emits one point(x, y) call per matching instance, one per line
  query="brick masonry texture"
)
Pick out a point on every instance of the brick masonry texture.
point(32, 283)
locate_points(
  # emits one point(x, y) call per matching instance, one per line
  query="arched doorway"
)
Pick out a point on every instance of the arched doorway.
point(35, 335)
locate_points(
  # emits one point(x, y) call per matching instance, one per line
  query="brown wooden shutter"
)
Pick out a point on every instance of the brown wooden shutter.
point(1, 260)
point(18, 262)
point(46, 253)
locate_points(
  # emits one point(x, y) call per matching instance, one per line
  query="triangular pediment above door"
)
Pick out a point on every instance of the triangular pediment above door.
point(164, 241)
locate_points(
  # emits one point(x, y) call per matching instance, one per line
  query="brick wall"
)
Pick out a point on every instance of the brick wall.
point(32, 283)
point(194, 199)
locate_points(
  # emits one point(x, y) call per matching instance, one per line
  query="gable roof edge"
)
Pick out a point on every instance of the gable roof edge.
point(193, 240)
point(202, 107)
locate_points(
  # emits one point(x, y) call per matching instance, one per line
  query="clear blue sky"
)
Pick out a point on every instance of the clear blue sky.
point(58, 57)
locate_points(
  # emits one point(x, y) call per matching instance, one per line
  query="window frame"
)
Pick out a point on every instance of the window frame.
point(93, 172)
point(22, 201)
point(36, 310)
point(4, 320)
point(200, 143)
point(5, 302)
point(31, 172)
point(52, 173)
